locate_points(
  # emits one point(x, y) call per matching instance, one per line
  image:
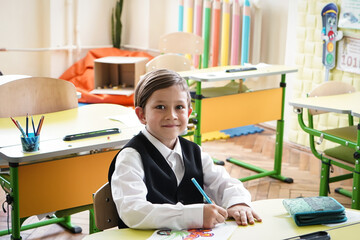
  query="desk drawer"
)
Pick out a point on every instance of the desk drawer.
point(242, 109)
point(60, 184)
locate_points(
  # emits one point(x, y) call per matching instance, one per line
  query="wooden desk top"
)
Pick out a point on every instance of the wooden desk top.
point(277, 224)
point(56, 125)
point(342, 103)
point(218, 73)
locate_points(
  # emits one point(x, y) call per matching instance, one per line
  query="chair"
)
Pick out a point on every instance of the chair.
point(171, 61)
point(36, 95)
point(340, 156)
point(105, 211)
point(181, 43)
point(173, 54)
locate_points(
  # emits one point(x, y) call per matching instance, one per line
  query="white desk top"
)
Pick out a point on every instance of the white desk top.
point(343, 103)
point(218, 73)
point(56, 125)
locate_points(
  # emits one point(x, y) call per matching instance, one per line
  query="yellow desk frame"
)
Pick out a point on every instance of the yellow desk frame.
point(62, 176)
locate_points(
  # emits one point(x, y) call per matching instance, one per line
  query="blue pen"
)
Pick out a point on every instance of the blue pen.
point(33, 125)
point(208, 200)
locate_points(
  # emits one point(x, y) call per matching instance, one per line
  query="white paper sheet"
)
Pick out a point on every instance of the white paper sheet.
point(220, 232)
point(130, 120)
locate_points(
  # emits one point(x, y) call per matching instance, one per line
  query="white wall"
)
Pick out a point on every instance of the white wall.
point(71, 27)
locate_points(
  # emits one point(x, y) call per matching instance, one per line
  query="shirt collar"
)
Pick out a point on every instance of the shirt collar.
point(164, 150)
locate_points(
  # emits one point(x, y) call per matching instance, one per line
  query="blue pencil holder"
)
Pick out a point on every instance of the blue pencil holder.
point(30, 143)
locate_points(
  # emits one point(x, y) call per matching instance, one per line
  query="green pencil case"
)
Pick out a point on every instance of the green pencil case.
point(315, 210)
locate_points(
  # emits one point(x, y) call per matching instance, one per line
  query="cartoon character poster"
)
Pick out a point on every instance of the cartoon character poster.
point(350, 14)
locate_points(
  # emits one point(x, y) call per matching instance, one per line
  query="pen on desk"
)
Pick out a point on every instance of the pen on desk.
point(208, 200)
point(27, 124)
point(33, 125)
point(240, 69)
point(39, 126)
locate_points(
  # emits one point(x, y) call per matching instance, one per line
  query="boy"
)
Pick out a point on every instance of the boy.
point(151, 176)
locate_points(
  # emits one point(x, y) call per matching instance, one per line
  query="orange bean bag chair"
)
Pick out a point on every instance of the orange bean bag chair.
point(81, 74)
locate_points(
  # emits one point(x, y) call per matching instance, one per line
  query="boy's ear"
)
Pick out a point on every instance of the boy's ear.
point(140, 114)
point(190, 111)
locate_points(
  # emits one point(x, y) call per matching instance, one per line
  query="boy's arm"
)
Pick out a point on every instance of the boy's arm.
point(225, 190)
point(129, 193)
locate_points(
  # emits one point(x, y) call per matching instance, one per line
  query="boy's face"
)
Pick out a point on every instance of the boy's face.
point(166, 114)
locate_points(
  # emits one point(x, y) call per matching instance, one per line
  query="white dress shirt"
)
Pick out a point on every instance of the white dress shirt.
point(129, 190)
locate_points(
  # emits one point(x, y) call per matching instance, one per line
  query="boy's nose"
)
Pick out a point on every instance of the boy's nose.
point(171, 114)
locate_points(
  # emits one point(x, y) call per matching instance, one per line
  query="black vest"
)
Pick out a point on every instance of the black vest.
point(160, 179)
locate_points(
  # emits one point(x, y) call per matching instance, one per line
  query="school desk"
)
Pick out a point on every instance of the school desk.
point(62, 175)
point(344, 104)
point(276, 224)
point(235, 110)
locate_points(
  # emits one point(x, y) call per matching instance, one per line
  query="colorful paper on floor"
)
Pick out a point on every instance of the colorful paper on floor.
point(220, 232)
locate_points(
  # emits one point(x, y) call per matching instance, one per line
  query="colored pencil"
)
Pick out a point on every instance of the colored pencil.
point(27, 124)
point(39, 126)
point(33, 125)
point(208, 200)
point(21, 129)
point(15, 122)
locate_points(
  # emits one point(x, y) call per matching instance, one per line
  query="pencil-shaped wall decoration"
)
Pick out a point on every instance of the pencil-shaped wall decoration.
point(181, 16)
point(206, 33)
point(245, 33)
point(198, 26)
point(235, 33)
point(189, 6)
point(215, 32)
point(225, 33)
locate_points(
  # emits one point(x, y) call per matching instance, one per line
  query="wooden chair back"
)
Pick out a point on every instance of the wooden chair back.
point(181, 42)
point(106, 215)
point(171, 61)
point(36, 95)
point(328, 89)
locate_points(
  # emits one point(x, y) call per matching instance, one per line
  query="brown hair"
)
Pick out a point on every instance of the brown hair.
point(155, 80)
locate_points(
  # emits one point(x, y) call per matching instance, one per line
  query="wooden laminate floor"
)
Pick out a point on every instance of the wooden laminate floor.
point(258, 149)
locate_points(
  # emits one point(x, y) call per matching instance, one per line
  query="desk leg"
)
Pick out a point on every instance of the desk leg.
point(356, 181)
point(197, 136)
point(14, 194)
point(276, 172)
point(198, 97)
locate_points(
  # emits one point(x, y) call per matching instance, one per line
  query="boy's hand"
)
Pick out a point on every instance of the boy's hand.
point(213, 215)
point(243, 214)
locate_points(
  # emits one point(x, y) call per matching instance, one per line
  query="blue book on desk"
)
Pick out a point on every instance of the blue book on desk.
point(315, 210)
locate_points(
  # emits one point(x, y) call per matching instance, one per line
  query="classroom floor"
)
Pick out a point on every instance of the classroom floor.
point(258, 149)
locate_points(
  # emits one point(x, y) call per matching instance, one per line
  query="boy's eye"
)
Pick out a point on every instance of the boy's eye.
point(180, 107)
point(160, 107)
